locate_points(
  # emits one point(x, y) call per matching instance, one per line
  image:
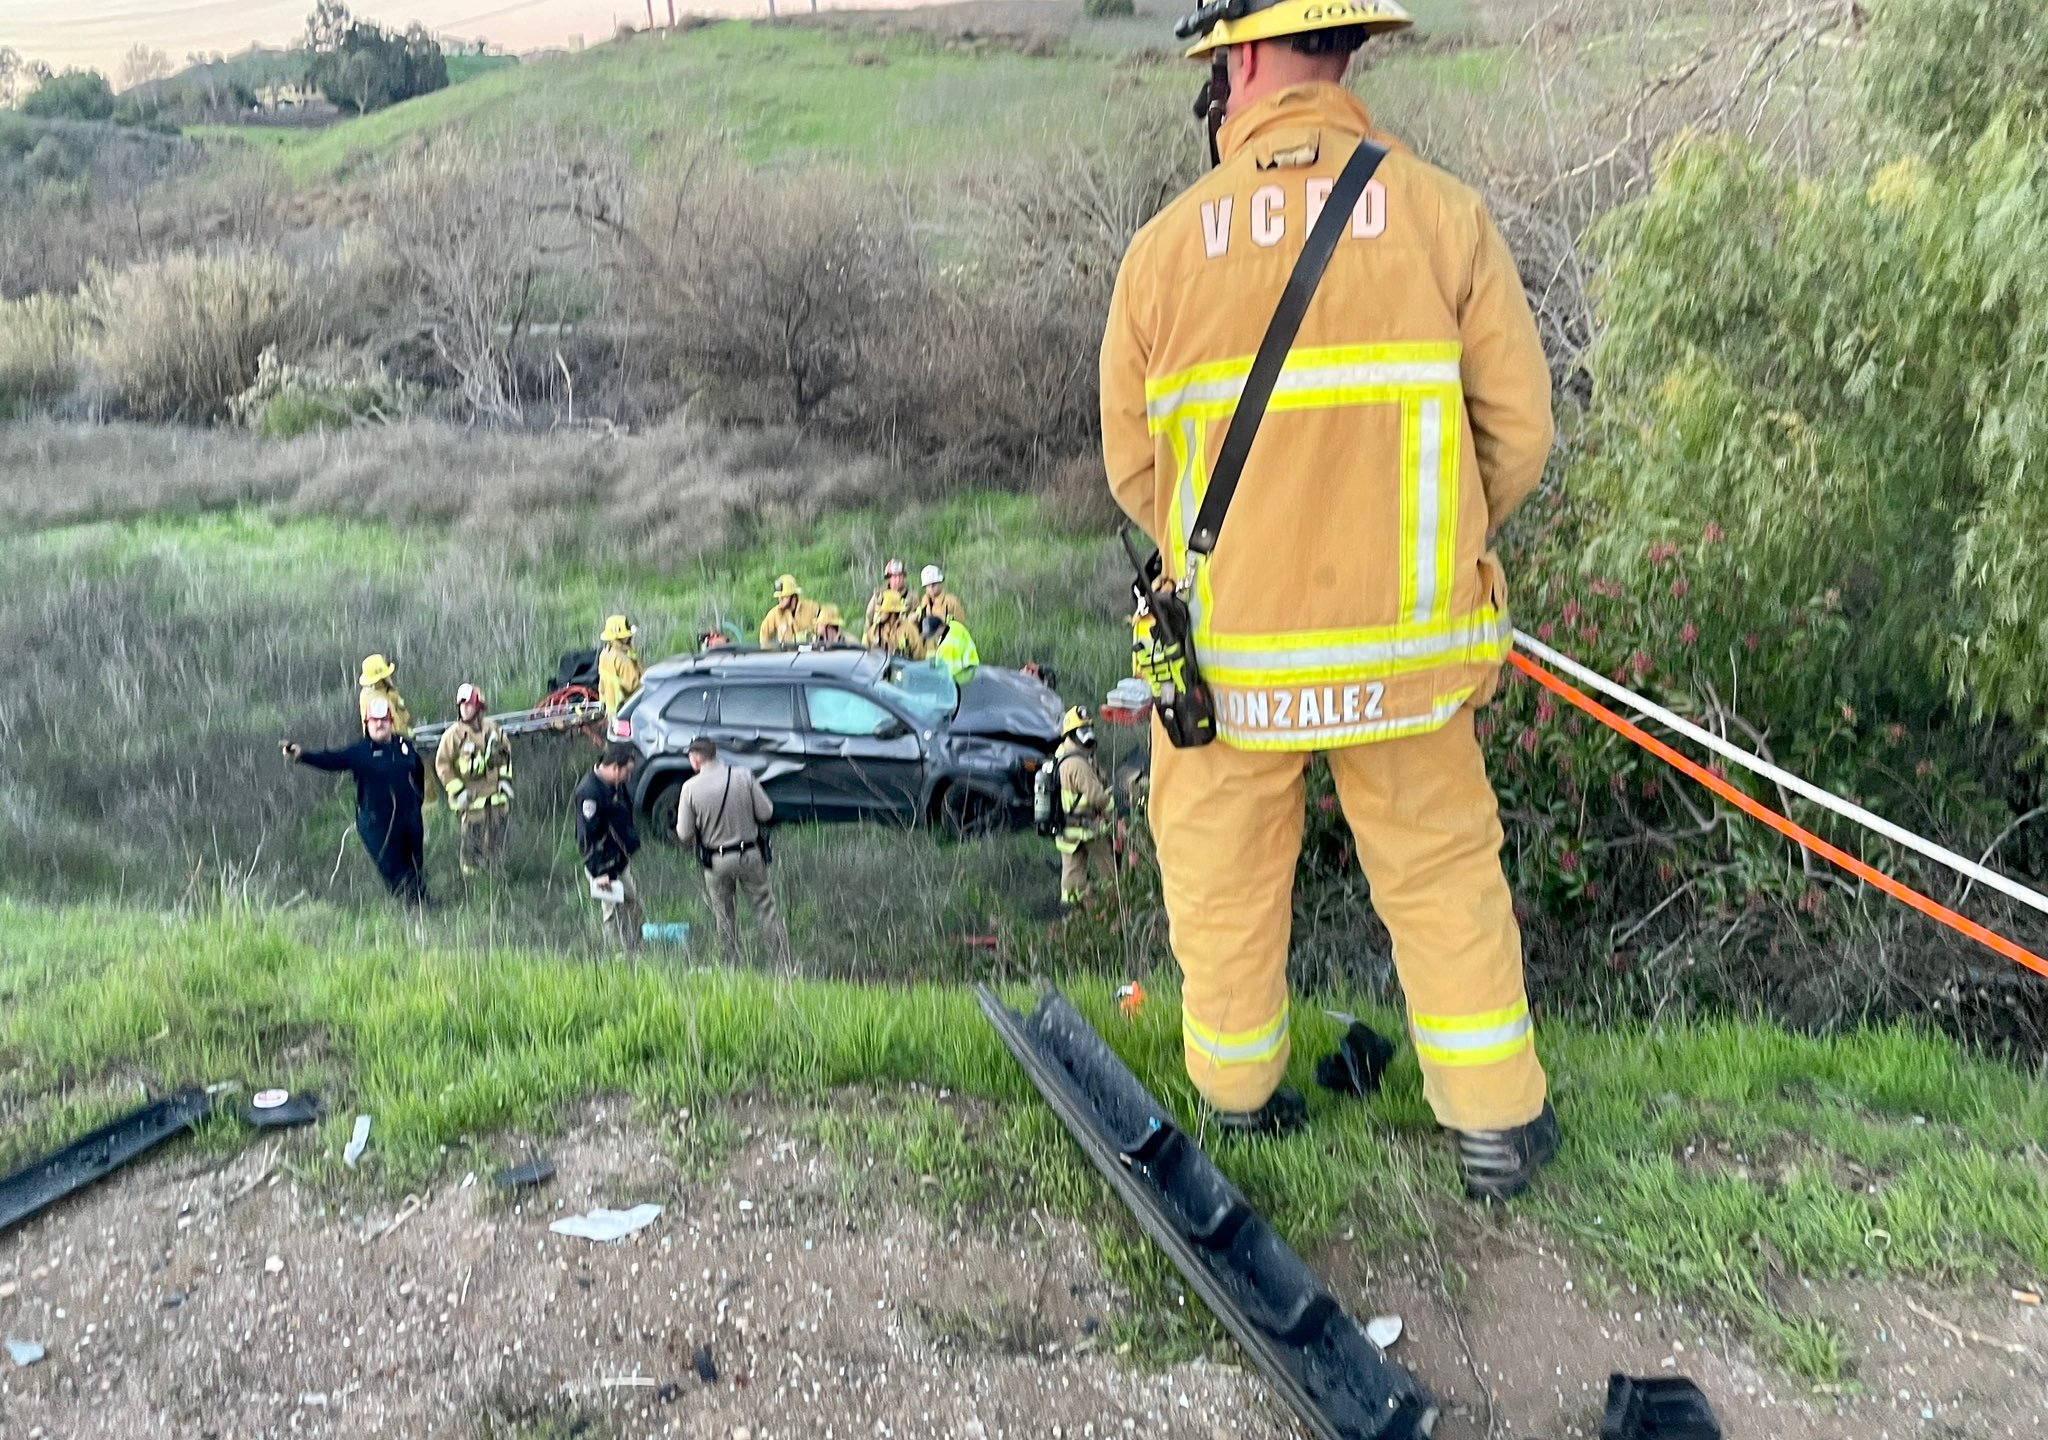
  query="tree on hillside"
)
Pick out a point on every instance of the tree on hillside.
point(1844, 381)
point(145, 65)
point(363, 67)
point(10, 75)
point(74, 95)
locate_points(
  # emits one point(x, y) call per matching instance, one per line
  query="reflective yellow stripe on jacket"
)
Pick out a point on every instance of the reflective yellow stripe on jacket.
point(1423, 381)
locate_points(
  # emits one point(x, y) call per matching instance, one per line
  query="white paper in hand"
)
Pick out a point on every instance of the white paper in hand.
point(611, 892)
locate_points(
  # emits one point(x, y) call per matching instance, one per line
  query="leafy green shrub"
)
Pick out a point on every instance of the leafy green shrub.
point(74, 95)
point(177, 338)
point(287, 401)
point(38, 350)
point(1807, 509)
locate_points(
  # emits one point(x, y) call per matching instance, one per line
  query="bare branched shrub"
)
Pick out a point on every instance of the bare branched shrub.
point(997, 359)
point(38, 350)
point(175, 339)
point(772, 293)
point(479, 233)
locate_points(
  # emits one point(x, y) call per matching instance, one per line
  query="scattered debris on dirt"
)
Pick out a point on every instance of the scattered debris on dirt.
point(818, 1315)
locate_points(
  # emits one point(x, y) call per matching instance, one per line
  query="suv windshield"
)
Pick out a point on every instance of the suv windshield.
point(921, 687)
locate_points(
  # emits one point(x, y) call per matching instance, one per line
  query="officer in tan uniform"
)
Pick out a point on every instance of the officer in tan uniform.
point(1353, 605)
point(721, 816)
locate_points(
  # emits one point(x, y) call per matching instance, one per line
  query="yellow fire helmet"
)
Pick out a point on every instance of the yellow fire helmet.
point(619, 628)
point(375, 669)
point(1238, 22)
point(1076, 718)
point(786, 586)
point(829, 615)
point(893, 603)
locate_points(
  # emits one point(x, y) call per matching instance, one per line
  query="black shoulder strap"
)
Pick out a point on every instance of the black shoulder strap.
point(1280, 333)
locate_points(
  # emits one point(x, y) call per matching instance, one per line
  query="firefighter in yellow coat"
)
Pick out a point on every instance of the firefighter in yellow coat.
point(893, 630)
point(375, 683)
point(474, 766)
point(618, 665)
point(1352, 604)
point(1087, 809)
point(792, 620)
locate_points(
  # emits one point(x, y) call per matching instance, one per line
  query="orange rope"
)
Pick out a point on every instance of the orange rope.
point(1790, 829)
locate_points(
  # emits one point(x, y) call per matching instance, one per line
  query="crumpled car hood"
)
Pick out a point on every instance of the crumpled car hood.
point(1005, 704)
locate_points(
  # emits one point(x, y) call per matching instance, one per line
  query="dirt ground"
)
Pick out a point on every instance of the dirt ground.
point(182, 1298)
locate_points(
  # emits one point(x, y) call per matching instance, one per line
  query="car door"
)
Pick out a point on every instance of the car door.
point(866, 761)
point(757, 728)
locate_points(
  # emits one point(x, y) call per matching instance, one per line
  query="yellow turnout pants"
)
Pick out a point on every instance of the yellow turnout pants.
point(1228, 823)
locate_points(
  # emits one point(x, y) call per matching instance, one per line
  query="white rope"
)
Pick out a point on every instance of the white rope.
point(1756, 764)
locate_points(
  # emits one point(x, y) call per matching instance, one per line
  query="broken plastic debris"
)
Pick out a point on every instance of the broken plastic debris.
point(1657, 1409)
point(1383, 1330)
point(533, 1172)
point(706, 1371)
point(2027, 1297)
point(607, 1225)
point(1358, 1063)
point(24, 1353)
point(277, 1109)
point(1130, 999)
point(357, 1143)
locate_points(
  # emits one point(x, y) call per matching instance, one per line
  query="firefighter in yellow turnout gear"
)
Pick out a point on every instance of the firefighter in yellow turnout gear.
point(1352, 604)
point(618, 665)
point(1087, 811)
point(474, 766)
point(375, 683)
point(792, 620)
point(892, 629)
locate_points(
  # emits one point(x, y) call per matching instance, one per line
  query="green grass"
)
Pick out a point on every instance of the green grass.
point(780, 91)
point(459, 1047)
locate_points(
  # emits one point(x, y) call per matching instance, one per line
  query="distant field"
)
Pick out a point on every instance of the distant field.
point(906, 94)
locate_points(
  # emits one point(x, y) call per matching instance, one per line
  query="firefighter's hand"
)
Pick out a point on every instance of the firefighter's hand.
point(290, 749)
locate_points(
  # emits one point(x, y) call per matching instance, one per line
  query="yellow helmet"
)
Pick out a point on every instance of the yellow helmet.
point(618, 627)
point(829, 615)
point(786, 586)
point(893, 603)
point(1076, 718)
point(1238, 22)
point(375, 668)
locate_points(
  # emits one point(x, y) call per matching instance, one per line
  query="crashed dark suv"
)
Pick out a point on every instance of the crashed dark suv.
point(848, 734)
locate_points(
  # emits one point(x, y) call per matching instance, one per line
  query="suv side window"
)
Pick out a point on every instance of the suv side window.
point(841, 712)
point(757, 707)
point(692, 705)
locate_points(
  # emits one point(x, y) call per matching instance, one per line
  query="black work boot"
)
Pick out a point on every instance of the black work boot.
point(1499, 1164)
point(1285, 1111)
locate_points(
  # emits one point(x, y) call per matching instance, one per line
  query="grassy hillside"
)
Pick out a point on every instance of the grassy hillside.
point(1700, 1160)
point(898, 96)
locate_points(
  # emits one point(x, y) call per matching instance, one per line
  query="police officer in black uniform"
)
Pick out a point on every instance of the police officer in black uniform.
point(608, 839)
point(390, 784)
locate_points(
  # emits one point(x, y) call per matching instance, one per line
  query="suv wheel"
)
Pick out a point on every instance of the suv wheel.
point(665, 807)
point(966, 813)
